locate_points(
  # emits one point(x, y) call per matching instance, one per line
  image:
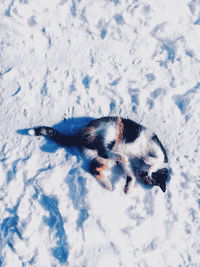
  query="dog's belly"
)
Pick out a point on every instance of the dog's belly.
point(120, 148)
point(130, 150)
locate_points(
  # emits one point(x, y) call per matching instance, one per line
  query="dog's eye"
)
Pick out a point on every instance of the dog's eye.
point(151, 155)
point(142, 174)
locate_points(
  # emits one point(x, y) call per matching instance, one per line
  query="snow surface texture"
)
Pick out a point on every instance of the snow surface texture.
point(62, 61)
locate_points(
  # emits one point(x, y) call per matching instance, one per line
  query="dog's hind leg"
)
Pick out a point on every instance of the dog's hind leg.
point(99, 168)
point(127, 184)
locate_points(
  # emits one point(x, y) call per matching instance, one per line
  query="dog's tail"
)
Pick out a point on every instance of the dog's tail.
point(61, 139)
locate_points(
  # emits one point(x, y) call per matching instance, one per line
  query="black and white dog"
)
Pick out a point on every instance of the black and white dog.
point(108, 140)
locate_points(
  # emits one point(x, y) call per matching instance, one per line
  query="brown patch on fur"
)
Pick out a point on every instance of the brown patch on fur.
point(89, 130)
point(89, 134)
point(100, 169)
point(120, 129)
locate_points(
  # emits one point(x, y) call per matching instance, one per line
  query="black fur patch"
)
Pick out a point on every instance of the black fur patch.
point(160, 175)
point(157, 141)
point(128, 181)
point(111, 145)
point(95, 123)
point(53, 134)
point(131, 130)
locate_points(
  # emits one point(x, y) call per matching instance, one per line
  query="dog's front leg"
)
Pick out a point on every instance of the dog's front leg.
point(109, 154)
point(127, 184)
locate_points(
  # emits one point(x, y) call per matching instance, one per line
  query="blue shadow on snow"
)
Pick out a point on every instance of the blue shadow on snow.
point(55, 222)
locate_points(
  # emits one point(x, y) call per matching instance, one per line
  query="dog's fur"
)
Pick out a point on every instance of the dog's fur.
point(108, 140)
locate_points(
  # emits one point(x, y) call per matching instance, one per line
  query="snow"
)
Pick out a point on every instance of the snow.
point(63, 62)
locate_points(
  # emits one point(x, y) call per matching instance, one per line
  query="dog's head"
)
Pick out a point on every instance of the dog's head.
point(157, 178)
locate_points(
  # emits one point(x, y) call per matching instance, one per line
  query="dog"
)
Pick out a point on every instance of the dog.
point(110, 140)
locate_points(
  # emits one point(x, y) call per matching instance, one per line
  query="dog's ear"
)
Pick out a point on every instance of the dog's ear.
point(163, 186)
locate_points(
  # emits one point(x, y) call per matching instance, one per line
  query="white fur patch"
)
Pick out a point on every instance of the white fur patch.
point(90, 153)
point(110, 134)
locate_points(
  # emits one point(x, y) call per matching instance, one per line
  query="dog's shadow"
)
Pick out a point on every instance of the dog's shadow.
point(69, 126)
